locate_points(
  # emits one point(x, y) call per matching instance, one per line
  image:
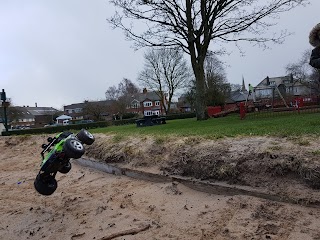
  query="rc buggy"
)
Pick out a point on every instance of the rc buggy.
point(56, 157)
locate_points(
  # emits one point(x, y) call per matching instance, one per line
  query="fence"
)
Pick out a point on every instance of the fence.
point(299, 105)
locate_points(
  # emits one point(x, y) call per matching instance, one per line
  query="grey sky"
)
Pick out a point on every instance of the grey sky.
point(59, 52)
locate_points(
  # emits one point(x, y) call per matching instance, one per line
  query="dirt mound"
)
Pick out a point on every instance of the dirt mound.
point(284, 166)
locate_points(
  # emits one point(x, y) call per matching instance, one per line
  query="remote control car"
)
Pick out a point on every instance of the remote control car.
point(59, 151)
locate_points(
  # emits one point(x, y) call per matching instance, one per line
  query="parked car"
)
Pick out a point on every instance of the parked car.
point(85, 121)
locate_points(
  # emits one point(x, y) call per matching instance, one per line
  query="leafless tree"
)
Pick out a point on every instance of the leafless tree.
point(121, 96)
point(97, 110)
point(235, 86)
point(194, 24)
point(301, 69)
point(165, 71)
point(303, 73)
point(217, 87)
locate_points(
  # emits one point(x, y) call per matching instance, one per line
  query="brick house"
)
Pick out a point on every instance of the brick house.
point(147, 104)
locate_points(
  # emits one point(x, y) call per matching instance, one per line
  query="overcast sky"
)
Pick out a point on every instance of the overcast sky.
point(59, 52)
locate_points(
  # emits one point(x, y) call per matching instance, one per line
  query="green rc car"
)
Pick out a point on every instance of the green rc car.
point(59, 150)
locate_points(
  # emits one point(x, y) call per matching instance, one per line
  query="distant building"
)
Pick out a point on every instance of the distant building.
point(20, 117)
point(29, 117)
point(147, 103)
point(287, 86)
point(75, 110)
point(42, 115)
point(78, 111)
point(183, 104)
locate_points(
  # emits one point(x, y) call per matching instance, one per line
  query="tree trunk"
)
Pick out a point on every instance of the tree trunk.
point(200, 91)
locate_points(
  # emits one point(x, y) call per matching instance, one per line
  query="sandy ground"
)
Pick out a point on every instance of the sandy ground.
point(92, 205)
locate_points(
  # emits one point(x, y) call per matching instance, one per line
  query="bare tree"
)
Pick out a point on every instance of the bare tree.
point(97, 110)
point(121, 96)
point(165, 71)
point(235, 86)
point(217, 86)
point(193, 24)
point(303, 73)
point(301, 69)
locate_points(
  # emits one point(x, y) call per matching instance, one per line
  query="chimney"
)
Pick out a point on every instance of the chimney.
point(268, 80)
point(144, 91)
point(291, 78)
point(36, 105)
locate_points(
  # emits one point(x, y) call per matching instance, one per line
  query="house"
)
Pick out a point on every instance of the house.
point(42, 115)
point(20, 117)
point(237, 96)
point(286, 85)
point(29, 117)
point(183, 104)
point(89, 110)
point(147, 103)
point(75, 111)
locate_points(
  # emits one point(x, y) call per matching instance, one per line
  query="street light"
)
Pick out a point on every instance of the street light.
point(5, 105)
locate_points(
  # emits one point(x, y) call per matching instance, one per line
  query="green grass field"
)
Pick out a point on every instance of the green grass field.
point(230, 126)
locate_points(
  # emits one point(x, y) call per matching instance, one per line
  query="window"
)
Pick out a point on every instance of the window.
point(156, 113)
point(157, 103)
point(78, 110)
point(272, 83)
point(135, 105)
point(147, 104)
point(148, 113)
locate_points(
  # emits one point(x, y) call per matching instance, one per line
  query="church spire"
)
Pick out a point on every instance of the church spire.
point(243, 89)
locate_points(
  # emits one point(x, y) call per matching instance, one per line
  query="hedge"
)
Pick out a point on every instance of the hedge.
point(180, 116)
point(103, 124)
point(56, 129)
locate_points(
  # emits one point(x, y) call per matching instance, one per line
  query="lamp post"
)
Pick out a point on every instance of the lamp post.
point(5, 105)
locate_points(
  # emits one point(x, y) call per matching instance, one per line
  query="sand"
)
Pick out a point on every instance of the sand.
point(89, 204)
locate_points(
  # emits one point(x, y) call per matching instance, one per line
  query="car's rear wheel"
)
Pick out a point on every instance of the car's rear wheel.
point(85, 137)
point(45, 185)
point(66, 168)
point(73, 148)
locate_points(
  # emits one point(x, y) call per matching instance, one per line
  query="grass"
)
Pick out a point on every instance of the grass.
point(230, 126)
